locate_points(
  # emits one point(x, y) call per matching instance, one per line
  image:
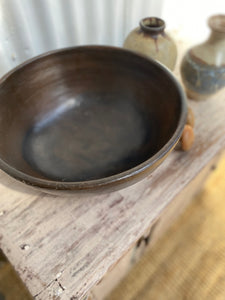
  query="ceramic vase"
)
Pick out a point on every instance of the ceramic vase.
point(151, 40)
point(203, 66)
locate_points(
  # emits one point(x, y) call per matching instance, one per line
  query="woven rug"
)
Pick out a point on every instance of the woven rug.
point(11, 287)
point(188, 263)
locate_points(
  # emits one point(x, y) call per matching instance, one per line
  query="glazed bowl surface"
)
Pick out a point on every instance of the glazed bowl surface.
point(88, 119)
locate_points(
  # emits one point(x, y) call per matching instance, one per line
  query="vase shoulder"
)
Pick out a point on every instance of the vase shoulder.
point(210, 53)
point(160, 47)
point(152, 41)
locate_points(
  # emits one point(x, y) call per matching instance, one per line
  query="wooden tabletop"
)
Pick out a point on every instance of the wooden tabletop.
point(61, 247)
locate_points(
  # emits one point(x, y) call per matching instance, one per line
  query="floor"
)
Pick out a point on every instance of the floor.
point(188, 263)
point(11, 288)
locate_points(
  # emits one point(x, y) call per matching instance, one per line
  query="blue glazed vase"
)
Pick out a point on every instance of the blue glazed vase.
point(203, 66)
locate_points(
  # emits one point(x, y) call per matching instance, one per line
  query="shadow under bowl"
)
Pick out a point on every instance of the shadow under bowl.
point(89, 118)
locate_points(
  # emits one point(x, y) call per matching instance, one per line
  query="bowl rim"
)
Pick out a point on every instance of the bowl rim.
point(118, 177)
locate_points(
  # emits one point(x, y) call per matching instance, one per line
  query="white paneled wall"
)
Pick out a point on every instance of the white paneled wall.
point(31, 27)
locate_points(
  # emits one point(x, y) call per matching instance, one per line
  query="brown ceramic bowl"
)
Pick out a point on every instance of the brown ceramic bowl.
point(88, 118)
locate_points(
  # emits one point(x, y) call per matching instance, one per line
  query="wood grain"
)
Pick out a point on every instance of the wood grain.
point(61, 247)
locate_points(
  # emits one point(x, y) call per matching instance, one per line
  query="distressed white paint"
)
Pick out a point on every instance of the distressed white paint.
point(82, 238)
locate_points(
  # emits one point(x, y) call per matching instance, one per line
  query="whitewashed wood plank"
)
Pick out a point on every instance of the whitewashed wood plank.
point(82, 238)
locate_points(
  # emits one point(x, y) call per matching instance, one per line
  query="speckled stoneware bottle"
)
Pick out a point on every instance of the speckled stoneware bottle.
point(151, 40)
point(203, 66)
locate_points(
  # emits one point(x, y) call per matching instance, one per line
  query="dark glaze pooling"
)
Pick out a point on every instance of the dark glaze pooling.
point(86, 114)
point(152, 27)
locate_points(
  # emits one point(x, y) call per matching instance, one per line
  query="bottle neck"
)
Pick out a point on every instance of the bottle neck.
point(216, 37)
point(152, 25)
point(217, 25)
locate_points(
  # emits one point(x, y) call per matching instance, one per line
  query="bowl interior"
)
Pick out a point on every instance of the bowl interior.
point(86, 113)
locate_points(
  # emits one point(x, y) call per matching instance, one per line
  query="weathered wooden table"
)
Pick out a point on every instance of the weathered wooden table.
point(62, 247)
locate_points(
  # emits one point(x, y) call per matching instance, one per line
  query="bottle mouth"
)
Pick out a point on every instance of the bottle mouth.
point(152, 24)
point(217, 23)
